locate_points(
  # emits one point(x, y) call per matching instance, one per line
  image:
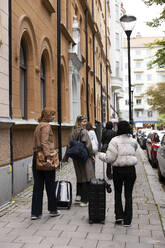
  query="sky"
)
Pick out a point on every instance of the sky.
point(143, 14)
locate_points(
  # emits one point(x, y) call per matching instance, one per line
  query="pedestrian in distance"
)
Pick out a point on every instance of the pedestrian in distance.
point(107, 134)
point(93, 138)
point(44, 141)
point(121, 153)
point(84, 170)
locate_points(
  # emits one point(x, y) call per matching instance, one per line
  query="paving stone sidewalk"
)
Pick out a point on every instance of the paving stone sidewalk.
point(72, 229)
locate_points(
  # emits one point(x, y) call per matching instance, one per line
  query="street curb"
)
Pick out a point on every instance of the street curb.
point(155, 187)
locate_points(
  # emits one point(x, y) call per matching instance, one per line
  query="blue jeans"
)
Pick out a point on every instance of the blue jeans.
point(124, 177)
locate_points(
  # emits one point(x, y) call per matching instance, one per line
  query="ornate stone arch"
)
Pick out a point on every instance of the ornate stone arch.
point(47, 54)
point(64, 91)
point(25, 26)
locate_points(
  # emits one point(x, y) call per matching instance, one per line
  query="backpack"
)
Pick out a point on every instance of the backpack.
point(77, 150)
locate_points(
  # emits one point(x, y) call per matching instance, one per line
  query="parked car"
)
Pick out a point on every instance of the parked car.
point(143, 138)
point(152, 145)
point(161, 160)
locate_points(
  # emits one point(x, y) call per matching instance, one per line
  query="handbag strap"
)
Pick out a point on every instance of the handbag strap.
point(79, 136)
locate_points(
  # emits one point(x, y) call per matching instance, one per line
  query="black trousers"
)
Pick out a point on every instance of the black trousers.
point(124, 176)
point(82, 190)
point(42, 178)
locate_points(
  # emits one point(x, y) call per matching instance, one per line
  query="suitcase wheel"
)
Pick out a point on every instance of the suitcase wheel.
point(102, 222)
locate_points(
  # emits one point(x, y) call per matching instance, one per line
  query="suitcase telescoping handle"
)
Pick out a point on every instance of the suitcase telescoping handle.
point(103, 170)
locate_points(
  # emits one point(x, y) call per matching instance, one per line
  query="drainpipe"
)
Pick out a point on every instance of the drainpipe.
point(86, 42)
point(101, 86)
point(94, 81)
point(59, 77)
point(106, 57)
point(10, 90)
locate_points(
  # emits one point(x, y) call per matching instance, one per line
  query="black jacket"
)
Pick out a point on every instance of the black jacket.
point(107, 135)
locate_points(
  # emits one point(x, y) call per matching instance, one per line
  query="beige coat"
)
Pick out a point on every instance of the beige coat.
point(44, 139)
point(84, 172)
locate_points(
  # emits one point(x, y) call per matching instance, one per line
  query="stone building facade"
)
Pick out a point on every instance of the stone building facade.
point(80, 47)
point(5, 121)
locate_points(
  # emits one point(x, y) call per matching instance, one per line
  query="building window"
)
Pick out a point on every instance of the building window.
point(138, 101)
point(138, 77)
point(43, 84)
point(149, 113)
point(126, 102)
point(148, 52)
point(126, 77)
point(138, 65)
point(138, 52)
point(126, 66)
point(23, 80)
point(139, 113)
point(149, 77)
point(117, 69)
point(138, 89)
point(117, 41)
point(116, 12)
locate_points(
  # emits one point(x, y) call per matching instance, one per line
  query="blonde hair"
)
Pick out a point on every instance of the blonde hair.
point(79, 119)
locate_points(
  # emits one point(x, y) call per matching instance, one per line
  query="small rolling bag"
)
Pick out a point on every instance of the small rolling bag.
point(63, 193)
point(97, 199)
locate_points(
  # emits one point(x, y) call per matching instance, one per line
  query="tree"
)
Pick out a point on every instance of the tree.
point(159, 58)
point(157, 97)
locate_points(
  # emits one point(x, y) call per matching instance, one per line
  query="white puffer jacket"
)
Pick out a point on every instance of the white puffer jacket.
point(121, 151)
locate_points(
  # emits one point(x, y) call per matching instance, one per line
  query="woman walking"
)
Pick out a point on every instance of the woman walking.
point(121, 153)
point(84, 170)
point(44, 141)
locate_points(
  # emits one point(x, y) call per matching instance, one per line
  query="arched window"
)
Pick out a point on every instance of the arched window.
point(43, 83)
point(23, 80)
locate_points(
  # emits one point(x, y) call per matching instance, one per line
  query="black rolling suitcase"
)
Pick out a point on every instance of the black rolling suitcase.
point(63, 193)
point(97, 199)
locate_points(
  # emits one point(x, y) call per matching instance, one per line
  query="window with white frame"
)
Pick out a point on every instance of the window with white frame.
point(117, 41)
point(138, 64)
point(149, 77)
point(126, 65)
point(126, 102)
point(117, 12)
point(117, 68)
point(138, 52)
point(126, 77)
point(138, 76)
point(138, 89)
point(149, 113)
point(138, 101)
point(139, 113)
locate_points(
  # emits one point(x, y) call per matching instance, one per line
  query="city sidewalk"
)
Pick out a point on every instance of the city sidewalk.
point(71, 229)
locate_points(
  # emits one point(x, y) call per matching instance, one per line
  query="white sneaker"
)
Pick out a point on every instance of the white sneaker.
point(78, 199)
point(83, 204)
point(55, 213)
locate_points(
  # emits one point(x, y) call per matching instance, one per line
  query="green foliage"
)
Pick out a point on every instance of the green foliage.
point(157, 96)
point(159, 58)
point(162, 119)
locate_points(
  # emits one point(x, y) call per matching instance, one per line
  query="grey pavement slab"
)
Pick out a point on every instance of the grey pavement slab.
point(71, 228)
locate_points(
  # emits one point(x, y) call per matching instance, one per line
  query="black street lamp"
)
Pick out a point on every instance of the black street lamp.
point(128, 23)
